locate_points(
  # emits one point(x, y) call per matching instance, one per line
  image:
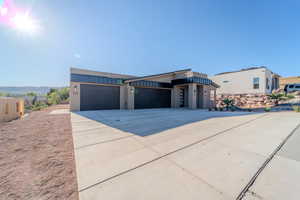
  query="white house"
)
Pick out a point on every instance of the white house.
point(255, 80)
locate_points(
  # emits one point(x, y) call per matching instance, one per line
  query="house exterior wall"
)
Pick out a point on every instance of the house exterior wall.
point(242, 82)
point(127, 88)
point(10, 109)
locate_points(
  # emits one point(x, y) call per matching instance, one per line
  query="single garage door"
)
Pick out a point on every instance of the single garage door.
point(96, 97)
point(152, 98)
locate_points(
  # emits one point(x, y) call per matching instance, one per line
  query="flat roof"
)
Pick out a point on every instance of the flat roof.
point(157, 75)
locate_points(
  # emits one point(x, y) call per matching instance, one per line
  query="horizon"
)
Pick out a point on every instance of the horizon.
point(44, 39)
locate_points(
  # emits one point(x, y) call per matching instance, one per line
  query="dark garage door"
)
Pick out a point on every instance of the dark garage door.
point(152, 98)
point(96, 97)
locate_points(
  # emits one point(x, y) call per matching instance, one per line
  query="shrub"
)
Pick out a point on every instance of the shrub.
point(290, 96)
point(296, 108)
point(276, 97)
point(228, 102)
point(267, 109)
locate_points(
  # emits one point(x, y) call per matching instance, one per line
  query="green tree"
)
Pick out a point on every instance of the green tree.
point(64, 93)
point(53, 98)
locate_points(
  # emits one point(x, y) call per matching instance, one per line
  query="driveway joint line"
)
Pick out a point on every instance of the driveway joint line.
point(264, 165)
point(170, 153)
point(103, 142)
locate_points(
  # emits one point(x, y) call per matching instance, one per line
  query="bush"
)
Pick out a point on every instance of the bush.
point(55, 96)
point(228, 102)
point(290, 96)
point(38, 106)
point(296, 108)
point(267, 109)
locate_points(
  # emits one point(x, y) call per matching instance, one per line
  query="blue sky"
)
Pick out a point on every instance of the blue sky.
point(145, 37)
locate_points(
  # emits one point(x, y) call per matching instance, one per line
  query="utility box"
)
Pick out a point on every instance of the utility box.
point(11, 108)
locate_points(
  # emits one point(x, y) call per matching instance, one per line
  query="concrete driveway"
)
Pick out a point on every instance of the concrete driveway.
point(173, 153)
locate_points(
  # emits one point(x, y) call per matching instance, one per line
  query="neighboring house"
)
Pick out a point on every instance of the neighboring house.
point(90, 90)
point(288, 80)
point(255, 80)
point(11, 108)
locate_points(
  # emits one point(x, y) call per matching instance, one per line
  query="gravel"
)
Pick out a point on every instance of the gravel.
point(37, 157)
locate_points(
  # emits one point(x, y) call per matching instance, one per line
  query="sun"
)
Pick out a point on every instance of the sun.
point(25, 23)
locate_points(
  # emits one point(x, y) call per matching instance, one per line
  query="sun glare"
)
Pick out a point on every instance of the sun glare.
point(24, 23)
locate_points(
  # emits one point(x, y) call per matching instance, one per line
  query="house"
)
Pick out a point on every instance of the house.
point(11, 108)
point(255, 80)
point(90, 90)
point(288, 80)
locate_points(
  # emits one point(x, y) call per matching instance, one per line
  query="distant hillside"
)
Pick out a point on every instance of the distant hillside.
point(24, 90)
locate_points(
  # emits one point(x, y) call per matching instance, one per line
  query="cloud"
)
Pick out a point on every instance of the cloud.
point(77, 55)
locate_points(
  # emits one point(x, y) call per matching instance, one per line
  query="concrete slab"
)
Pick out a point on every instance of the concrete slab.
point(59, 112)
point(160, 181)
point(98, 162)
point(227, 169)
point(279, 180)
point(160, 153)
point(255, 137)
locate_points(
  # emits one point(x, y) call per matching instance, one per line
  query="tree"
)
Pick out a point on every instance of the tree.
point(53, 98)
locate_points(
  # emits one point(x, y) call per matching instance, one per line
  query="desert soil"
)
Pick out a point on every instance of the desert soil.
point(37, 157)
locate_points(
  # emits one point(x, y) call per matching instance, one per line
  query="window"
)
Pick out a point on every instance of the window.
point(225, 81)
point(298, 86)
point(256, 83)
point(291, 86)
point(17, 106)
point(267, 84)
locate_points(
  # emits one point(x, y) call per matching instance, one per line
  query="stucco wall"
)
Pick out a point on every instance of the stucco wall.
point(242, 82)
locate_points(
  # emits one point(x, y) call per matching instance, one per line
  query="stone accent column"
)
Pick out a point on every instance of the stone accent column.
point(75, 96)
point(192, 98)
point(130, 97)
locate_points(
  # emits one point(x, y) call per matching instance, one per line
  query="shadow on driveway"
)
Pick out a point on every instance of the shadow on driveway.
point(147, 122)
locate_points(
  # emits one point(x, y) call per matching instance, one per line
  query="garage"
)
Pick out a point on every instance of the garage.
point(152, 98)
point(99, 97)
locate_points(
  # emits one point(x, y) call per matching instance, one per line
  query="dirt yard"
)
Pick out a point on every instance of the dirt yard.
point(36, 157)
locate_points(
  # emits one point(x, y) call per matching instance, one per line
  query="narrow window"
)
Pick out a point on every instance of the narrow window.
point(256, 83)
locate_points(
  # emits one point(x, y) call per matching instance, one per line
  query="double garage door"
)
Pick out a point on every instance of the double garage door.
point(152, 98)
point(97, 97)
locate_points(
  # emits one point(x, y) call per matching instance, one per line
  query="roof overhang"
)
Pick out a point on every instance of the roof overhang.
point(163, 75)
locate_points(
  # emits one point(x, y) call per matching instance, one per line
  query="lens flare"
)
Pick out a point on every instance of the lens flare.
point(24, 23)
point(17, 18)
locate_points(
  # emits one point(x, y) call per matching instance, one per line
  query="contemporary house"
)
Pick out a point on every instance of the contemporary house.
point(255, 80)
point(90, 90)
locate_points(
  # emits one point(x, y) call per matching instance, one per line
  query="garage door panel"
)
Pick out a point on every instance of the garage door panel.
point(96, 97)
point(152, 98)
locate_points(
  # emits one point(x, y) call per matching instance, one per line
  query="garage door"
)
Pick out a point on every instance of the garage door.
point(95, 97)
point(152, 98)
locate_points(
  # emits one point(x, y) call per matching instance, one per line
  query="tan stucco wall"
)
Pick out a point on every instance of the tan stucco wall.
point(10, 109)
point(288, 80)
point(242, 82)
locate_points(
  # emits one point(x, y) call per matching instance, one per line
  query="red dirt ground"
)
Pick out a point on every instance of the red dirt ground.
point(36, 157)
